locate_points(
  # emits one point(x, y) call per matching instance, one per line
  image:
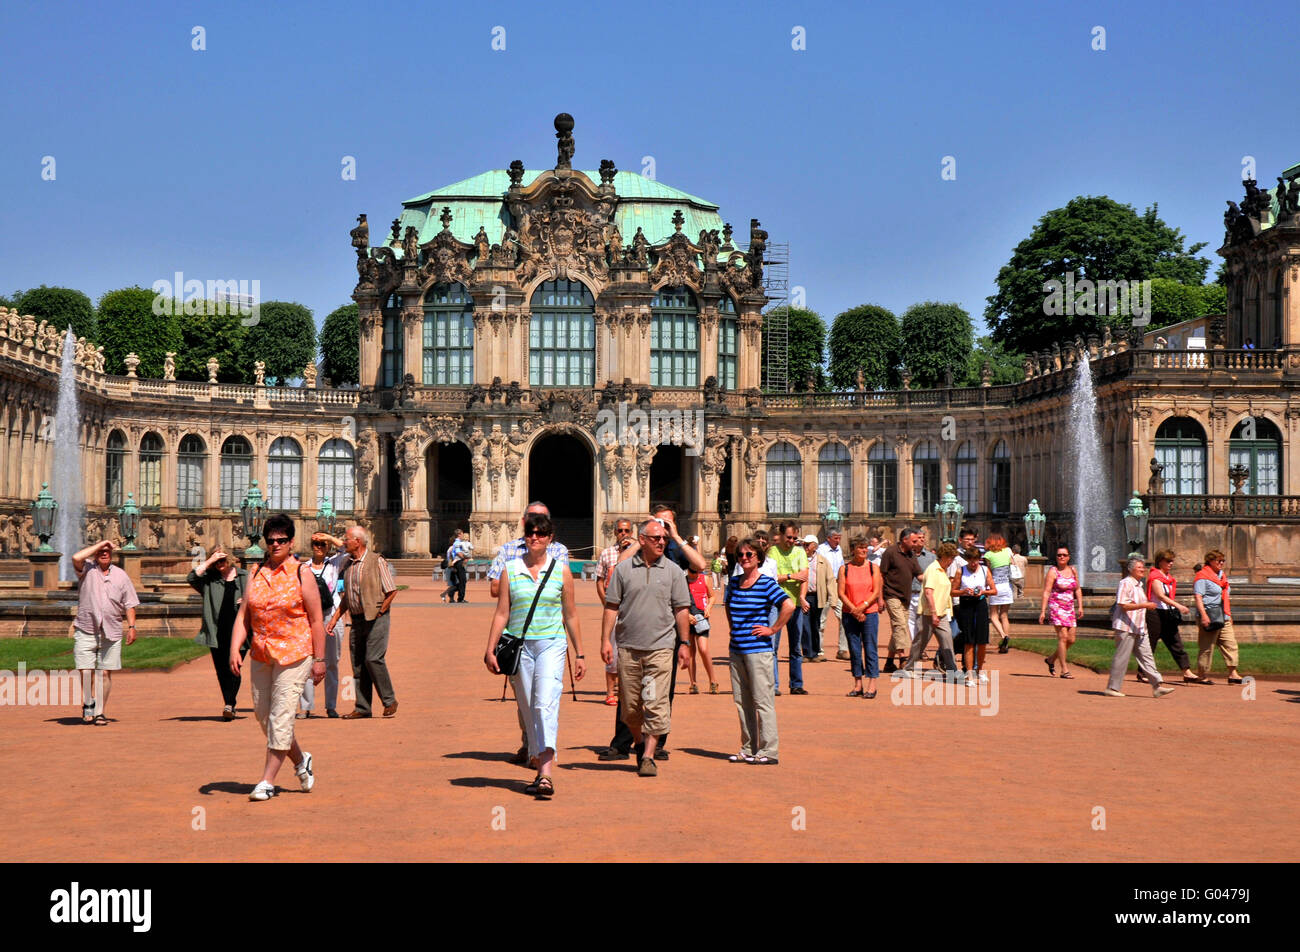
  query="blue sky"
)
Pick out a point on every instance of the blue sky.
point(226, 163)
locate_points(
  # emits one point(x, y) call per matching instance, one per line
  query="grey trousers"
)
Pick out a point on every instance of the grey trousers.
point(927, 625)
point(369, 667)
point(333, 651)
point(1125, 644)
point(754, 690)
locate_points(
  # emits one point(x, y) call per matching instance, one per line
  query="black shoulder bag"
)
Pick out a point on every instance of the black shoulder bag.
point(508, 645)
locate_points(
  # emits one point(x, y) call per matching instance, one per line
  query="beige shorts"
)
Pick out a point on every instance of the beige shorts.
point(643, 681)
point(900, 639)
point(276, 691)
point(95, 652)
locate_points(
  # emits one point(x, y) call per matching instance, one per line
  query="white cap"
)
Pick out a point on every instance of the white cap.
point(809, 538)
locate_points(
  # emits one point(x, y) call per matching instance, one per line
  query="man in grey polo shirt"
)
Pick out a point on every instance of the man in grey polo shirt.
point(648, 604)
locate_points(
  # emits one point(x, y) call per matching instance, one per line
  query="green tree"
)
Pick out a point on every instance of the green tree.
point(1214, 299)
point(865, 338)
point(1005, 366)
point(805, 347)
point(11, 300)
point(284, 338)
point(340, 345)
point(61, 307)
point(128, 324)
point(1094, 238)
point(936, 338)
point(210, 334)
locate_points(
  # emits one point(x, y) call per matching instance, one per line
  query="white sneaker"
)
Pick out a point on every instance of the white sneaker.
point(263, 791)
point(972, 683)
point(984, 678)
point(1111, 692)
point(1161, 690)
point(305, 776)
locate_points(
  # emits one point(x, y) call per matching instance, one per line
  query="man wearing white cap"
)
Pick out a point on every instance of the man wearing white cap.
point(831, 557)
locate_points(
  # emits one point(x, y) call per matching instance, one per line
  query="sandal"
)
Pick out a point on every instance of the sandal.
point(869, 695)
point(611, 699)
point(713, 687)
point(741, 758)
point(1067, 676)
point(87, 713)
point(1051, 666)
point(854, 693)
point(541, 787)
point(694, 689)
point(764, 761)
point(100, 720)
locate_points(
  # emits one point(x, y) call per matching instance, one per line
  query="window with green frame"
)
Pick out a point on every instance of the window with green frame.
point(562, 336)
point(1180, 447)
point(448, 335)
point(674, 339)
point(728, 343)
point(1261, 454)
point(393, 365)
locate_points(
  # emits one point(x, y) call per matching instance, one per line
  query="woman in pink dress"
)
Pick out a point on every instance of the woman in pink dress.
point(1063, 600)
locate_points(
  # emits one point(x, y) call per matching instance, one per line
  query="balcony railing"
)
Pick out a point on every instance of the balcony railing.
point(1224, 508)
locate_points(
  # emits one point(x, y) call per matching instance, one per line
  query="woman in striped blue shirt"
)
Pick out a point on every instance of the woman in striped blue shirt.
point(539, 682)
point(750, 599)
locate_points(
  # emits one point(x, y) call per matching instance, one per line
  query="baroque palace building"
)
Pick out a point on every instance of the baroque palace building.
point(514, 323)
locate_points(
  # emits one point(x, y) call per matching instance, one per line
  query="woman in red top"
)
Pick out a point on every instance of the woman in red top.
point(702, 599)
point(1162, 623)
point(863, 595)
point(282, 612)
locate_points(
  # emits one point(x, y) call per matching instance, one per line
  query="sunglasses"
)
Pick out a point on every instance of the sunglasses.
point(279, 540)
point(622, 531)
point(660, 539)
point(537, 534)
point(747, 555)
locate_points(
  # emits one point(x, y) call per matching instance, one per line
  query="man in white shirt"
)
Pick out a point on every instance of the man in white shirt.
point(831, 553)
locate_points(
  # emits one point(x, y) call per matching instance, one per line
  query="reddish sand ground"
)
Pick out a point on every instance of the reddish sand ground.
point(1202, 775)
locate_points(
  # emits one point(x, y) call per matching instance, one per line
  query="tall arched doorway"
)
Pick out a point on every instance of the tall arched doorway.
point(560, 469)
point(449, 492)
point(667, 480)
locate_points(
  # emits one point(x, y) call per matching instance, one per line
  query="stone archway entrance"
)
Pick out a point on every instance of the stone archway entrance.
point(560, 474)
point(449, 484)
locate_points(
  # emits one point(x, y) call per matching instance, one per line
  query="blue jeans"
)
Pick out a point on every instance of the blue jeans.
point(539, 684)
point(794, 630)
point(863, 635)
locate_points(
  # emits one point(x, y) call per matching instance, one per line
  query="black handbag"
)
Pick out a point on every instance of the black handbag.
point(509, 646)
point(1215, 612)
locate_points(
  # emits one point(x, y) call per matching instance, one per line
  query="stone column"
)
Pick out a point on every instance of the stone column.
point(170, 466)
point(412, 334)
point(212, 476)
point(808, 478)
point(372, 338)
point(906, 495)
point(483, 351)
point(708, 323)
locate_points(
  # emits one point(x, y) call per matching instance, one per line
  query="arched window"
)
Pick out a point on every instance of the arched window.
point(965, 475)
point(393, 366)
point(1278, 320)
point(189, 472)
point(448, 335)
point(562, 336)
point(728, 343)
point(236, 471)
point(925, 478)
point(284, 476)
point(151, 462)
point(834, 478)
point(1180, 446)
point(335, 475)
point(674, 339)
point(1257, 444)
point(115, 470)
point(882, 479)
point(784, 491)
point(1000, 479)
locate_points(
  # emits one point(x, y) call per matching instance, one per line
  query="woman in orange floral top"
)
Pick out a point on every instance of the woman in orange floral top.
point(282, 611)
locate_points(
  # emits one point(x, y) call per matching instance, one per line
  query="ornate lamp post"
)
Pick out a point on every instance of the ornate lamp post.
point(44, 511)
point(253, 513)
point(1135, 525)
point(1034, 522)
point(950, 513)
point(326, 519)
point(128, 518)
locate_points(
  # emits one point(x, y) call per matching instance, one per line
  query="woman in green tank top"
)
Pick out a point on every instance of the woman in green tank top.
point(535, 577)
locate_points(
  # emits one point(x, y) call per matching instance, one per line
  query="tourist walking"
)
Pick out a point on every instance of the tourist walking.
point(935, 616)
point(1018, 565)
point(220, 582)
point(105, 599)
point(974, 583)
point(368, 592)
point(830, 556)
point(1162, 623)
point(457, 575)
point(1214, 619)
point(648, 604)
point(998, 557)
point(281, 612)
point(751, 600)
point(327, 557)
point(812, 642)
point(605, 565)
point(697, 583)
point(1063, 607)
point(862, 597)
point(1129, 621)
point(536, 604)
point(506, 554)
point(898, 567)
point(792, 575)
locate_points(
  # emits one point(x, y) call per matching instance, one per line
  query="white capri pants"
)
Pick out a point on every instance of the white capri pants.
point(538, 684)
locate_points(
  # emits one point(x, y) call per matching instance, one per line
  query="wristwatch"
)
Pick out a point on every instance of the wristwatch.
point(315, 660)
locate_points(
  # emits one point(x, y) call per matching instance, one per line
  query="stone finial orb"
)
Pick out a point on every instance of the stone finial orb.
point(564, 123)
